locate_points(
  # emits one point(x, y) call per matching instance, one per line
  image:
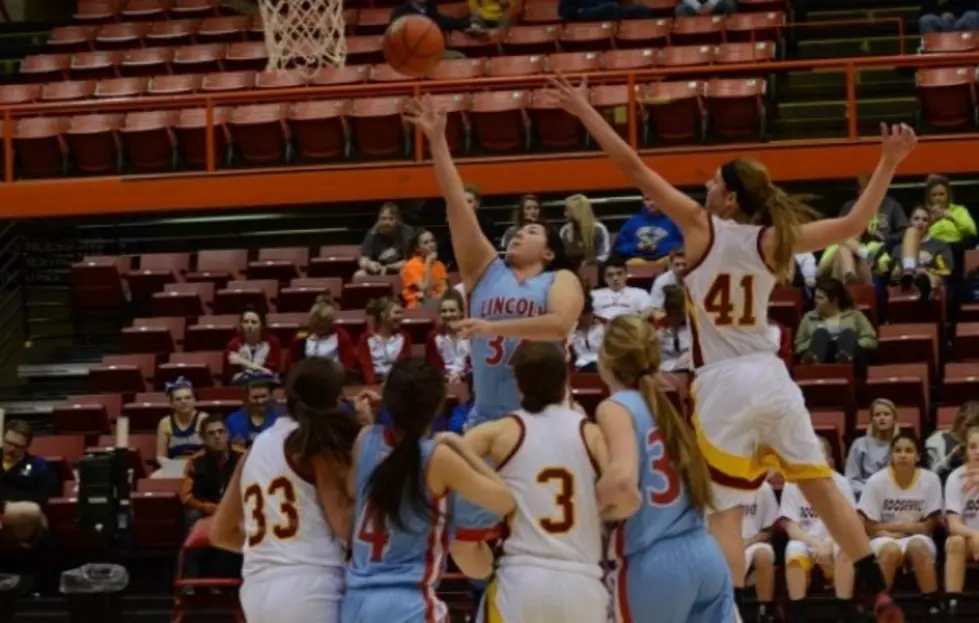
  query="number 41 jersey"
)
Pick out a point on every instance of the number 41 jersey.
point(284, 525)
point(729, 290)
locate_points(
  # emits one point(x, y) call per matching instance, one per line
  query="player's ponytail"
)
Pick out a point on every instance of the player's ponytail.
point(414, 394)
point(312, 398)
point(630, 352)
point(765, 204)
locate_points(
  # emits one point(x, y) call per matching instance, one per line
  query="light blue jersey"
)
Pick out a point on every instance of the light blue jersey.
point(668, 566)
point(499, 295)
point(393, 572)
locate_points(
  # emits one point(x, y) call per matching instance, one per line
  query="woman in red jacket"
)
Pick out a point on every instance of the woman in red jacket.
point(384, 342)
point(323, 337)
point(252, 347)
point(444, 349)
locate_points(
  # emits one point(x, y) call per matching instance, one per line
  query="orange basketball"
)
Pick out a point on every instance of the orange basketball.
point(413, 45)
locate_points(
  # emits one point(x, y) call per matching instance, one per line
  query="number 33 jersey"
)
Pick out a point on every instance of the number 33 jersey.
point(552, 476)
point(284, 524)
point(729, 290)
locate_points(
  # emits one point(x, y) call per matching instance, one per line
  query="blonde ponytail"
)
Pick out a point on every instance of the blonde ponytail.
point(681, 443)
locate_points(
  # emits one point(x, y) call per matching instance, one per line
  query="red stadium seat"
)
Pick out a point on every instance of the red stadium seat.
point(373, 21)
point(148, 140)
point(335, 261)
point(183, 9)
point(685, 55)
point(356, 295)
point(865, 299)
point(19, 93)
point(377, 127)
point(949, 42)
point(228, 81)
point(201, 368)
point(122, 374)
point(458, 69)
point(96, 282)
point(945, 418)
point(251, 55)
point(906, 305)
point(736, 107)
point(211, 332)
point(86, 415)
point(676, 110)
point(239, 294)
point(540, 13)
point(456, 107)
point(145, 10)
point(353, 321)
point(260, 132)
point(643, 275)
point(419, 322)
point(67, 91)
point(499, 121)
point(198, 59)
point(832, 426)
point(68, 39)
point(184, 299)
point(95, 65)
point(281, 264)
point(386, 73)
point(588, 36)
point(659, 8)
point(154, 335)
point(744, 53)
point(961, 383)
point(531, 39)
point(68, 448)
point(967, 341)
point(171, 33)
point(827, 386)
point(155, 271)
point(285, 325)
point(612, 101)
point(904, 384)
point(95, 11)
point(145, 413)
point(643, 33)
point(121, 87)
point(190, 130)
point(752, 27)
point(349, 74)
point(121, 36)
point(45, 67)
point(785, 306)
point(909, 343)
point(158, 520)
point(947, 96)
point(302, 293)
point(220, 266)
point(277, 79)
point(223, 29)
point(556, 128)
point(636, 58)
point(174, 85)
point(476, 46)
point(574, 62)
point(525, 65)
point(320, 129)
point(365, 50)
point(700, 29)
point(146, 62)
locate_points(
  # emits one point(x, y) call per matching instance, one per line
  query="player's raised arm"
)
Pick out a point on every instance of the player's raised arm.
point(682, 210)
point(472, 250)
point(899, 140)
point(226, 530)
point(565, 300)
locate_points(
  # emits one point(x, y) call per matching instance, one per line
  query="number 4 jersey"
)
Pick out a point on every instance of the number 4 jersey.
point(284, 524)
point(729, 289)
point(552, 476)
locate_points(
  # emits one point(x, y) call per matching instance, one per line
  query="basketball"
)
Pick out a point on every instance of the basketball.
point(413, 45)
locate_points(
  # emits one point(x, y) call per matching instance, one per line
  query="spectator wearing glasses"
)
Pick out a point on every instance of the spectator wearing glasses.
point(23, 476)
point(948, 16)
point(206, 476)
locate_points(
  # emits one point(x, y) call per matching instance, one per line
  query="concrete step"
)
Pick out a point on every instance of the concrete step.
point(888, 45)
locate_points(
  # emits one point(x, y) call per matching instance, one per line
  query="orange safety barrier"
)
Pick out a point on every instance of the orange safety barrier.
point(394, 180)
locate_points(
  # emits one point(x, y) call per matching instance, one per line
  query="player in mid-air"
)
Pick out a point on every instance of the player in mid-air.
point(550, 456)
point(668, 567)
point(405, 486)
point(750, 415)
point(531, 294)
point(285, 508)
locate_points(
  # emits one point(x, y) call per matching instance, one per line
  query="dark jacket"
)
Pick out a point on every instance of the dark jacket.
point(428, 8)
point(955, 7)
point(31, 480)
point(889, 223)
point(205, 479)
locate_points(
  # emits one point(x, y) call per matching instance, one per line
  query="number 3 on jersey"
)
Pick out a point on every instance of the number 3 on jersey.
point(497, 351)
point(727, 309)
point(661, 467)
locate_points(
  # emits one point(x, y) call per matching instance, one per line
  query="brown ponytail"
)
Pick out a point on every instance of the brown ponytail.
point(631, 353)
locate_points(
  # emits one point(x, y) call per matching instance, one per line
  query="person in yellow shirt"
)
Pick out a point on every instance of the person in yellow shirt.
point(951, 223)
point(423, 276)
point(490, 13)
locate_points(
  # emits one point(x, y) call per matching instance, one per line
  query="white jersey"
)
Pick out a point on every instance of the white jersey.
point(884, 501)
point(729, 290)
point(552, 476)
point(761, 514)
point(795, 507)
point(284, 524)
point(967, 508)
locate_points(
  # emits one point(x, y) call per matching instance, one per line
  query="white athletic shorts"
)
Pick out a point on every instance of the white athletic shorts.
point(750, 417)
point(879, 542)
point(800, 553)
point(518, 594)
point(749, 558)
point(304, 597)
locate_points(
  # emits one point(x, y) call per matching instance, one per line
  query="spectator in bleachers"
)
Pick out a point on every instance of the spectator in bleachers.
point(600, 10)
point(253, 348)
point(528, 210)
point(945, 451)
point(962, 514)
point(586, 341)
point(807, 268)
point(756, 529)
point(810, 545)
point(848, 262)
point(925, 261)
point(689, 8)
point(672, 277)
point(23, 476)
point(382, 251)
point(903, 505)
point(206, 476)
point(835, 331)
point(948, 16)
point(178, 435)
point(584, 235)
point(384, 343)
point(871, 453)
point(429, 8)
point(675, 339)
point(323, 337)
point(648, 236)
point(950, 222)
point(617, 297)
point(489, 13)
point(423, 276)
point(444, 349)
point(888, 226)
point(259, 412)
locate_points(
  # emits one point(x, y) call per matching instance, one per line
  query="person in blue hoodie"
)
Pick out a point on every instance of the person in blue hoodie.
point(648, 236)
point(258, 413)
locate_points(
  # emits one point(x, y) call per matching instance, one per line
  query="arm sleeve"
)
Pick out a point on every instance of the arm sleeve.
point(852, 470)
point(866, 335)
point(963, 220)
point(625, 242)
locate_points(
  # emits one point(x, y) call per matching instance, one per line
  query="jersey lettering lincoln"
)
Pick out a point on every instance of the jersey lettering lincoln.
point(508, 307)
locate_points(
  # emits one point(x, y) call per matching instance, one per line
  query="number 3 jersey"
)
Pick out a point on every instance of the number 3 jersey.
point(665, 512)
point(552, 476)
point(284, 524)
point(729, 290)
point(499, 295)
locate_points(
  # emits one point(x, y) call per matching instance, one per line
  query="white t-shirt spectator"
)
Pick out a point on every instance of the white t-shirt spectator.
point(967, 508)
point(884, 501)
point(607, 303)
point(656, 292)
point(674, 346)
point(761, 514)
point(807, 267)
point(585, 344)
point(796, 508)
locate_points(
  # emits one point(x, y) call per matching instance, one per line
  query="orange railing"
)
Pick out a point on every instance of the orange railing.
point(632, 78)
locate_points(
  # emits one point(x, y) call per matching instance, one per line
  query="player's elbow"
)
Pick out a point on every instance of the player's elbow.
point(558, 328)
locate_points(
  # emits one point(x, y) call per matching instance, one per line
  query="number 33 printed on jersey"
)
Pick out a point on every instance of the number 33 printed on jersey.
point(254, 498)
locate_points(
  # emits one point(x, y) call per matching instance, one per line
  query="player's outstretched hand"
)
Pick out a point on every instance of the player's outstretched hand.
point(573, 99)
point(899, 140)
point(474, 327)
point(424, 113)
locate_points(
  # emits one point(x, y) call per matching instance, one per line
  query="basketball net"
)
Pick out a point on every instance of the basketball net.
point(305, 35)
